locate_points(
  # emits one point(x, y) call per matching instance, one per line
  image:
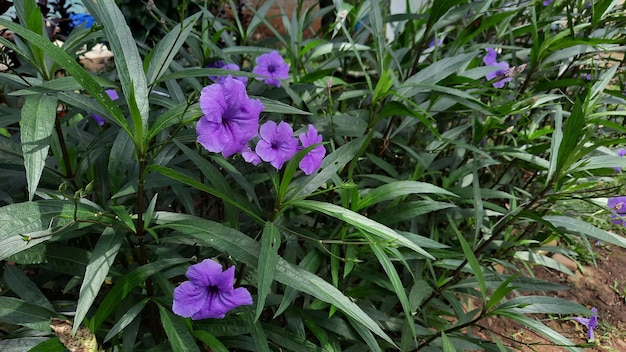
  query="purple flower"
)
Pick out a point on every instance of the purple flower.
point(112, 93)
point(313, 159)
point(435, 42)
point(546, 2)
point(617, 205)
point(250, 156)
point(590, 322)
point(230, 118)
point(276, 144)
point(500, 68)
point(225, 66)
point(209, 293)
point(271, 68)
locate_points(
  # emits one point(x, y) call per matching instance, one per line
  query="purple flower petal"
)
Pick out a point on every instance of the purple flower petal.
point(313, 159)
point(225, 66)
point(250, 156)
point(617, 205)
point(490, 57)
point(591, 322)
point(112, 93)
point(276, 144)
point(230, 118)
point(271, 68)
point(209, 293)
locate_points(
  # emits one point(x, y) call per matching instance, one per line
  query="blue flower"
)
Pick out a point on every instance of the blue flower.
point(590, 322)
point(209, 293)
point(79, 19)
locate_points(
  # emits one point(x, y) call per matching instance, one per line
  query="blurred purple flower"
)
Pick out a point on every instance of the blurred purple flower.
point(620, 152)
point(250, 156)
point(271, 68)
point(617, 205)
point(590, 322)
point(500, 68)
point(546, 2)
point(230, 120)
point(313, 159)
point(435, 42)
point(209, 293)
point(232, 67)
point(112, 93)
point(276, 144)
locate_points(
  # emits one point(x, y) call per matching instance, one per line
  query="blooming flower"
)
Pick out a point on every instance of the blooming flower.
point(250, 156)
point(500, 68)
point(617, 205)
point(313, 159)
point(225, 66)
point(620, 152)
point(271, 68)
point(112, 93)
point(230, 120)
point(276, 144)
point(79, 19)
point(590, 322)
point(209, 293)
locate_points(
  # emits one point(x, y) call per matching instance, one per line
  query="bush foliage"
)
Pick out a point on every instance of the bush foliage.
point(450, 170)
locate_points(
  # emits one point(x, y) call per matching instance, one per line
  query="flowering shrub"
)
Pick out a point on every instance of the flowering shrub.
point(363, 185)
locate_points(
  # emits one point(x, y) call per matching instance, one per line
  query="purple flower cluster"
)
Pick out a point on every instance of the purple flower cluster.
point(620, 152)
point(209, 293)
point(590, 322)
point(617, 205)
point(499, 68)
point(231, 121)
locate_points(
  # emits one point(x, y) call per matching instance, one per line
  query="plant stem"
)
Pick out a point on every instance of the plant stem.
point(69, 174)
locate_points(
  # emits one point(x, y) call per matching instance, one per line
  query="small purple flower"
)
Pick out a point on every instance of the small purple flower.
point(209, 293)
point(617, 205)
point(435, 43)
point(230, 120)
point(276, 144)
point(225, 66)
point(271, 68)
point(590, 322)
point(112, 93)
point(250, 156)
point(546, 2)
point(500, 68)
point(313, 159)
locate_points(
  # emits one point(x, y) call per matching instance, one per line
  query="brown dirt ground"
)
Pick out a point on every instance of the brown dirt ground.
point(593, 287)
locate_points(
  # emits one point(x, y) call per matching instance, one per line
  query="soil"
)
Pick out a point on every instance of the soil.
point(603, 287)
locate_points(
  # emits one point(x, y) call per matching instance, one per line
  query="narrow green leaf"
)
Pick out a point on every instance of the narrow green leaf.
point(38, 116)
point(477, 270)
point(544, 305)
point(122, 214)
point(583, 228)
point(126, 284)
point(178, 335)
point(361, 222)
point(122, 152)
point(21, 285)
point(540, 328)
point(99, 263)
point(16, 311)
point(127, 60)
point(448, 346)
point(32, 344)
point(268, 258)
point(258, 335)
point(397, 189)
point(126, 319)
point(500, 292)
point(279, 107)
point(168, 47)
point(210, 340)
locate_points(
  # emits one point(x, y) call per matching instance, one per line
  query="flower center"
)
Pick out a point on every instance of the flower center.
point(271, 68)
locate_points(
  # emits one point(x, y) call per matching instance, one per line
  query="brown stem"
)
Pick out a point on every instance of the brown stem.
point(69, 174)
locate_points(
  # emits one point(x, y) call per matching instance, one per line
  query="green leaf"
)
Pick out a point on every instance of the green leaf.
point(555, 143)
point(268, 258)
point(122, 214)
point(361, 222)
point(397, 189)
point(38, 116)
point(126, 319)
point(210, 340)
point(477, 270)
point(500, 292)
point(168, 47)
point(122, 152)
point(258, 335)
point(542, 329)
point(32, 344)
point(582, 228)
point(16, 311)
point(544, 305)
point(125, 285)
point(21, 285)
point(448, 346)
point(278, 107)
point(71, 66)
point(178, 335)
point(100, 261)
point(127, 60)
point(247, 250)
